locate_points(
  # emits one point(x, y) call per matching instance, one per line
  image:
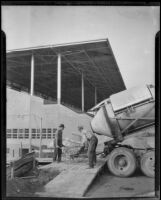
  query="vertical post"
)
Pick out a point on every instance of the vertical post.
point(31, 94)
point(32, 76)
point(59, 79)
point(21, 149)
point(30, 132)
point(12, 170)
point(40, 138)
point(34, 161)
point(82, 93)
point(95, 95)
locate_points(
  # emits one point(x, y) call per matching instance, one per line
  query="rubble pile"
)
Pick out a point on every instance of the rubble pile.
point(27, 186)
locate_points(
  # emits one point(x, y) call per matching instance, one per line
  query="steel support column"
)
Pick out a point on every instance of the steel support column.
point(40, 149)
point(59, 79)
point(82, 93)
point(32, 76)
point(95, 95)
point(31, 94)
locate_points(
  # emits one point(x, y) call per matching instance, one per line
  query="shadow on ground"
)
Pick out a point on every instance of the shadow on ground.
point(108, 185)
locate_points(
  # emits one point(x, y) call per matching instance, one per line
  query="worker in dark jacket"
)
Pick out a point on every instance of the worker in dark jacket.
point(58, 143)
point(92, 150)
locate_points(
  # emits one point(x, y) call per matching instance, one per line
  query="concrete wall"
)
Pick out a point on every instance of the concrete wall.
point(18, 106)
point(18, 109)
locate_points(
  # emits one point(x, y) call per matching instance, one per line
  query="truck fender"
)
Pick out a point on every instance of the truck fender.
point(135, 142)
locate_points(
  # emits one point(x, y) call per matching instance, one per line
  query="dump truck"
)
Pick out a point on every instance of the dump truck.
point(127, 119)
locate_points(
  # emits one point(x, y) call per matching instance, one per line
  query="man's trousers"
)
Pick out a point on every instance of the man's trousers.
point(92, 150)
point(57, 154)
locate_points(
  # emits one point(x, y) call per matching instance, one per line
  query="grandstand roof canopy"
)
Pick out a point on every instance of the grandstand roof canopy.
point(94, 58)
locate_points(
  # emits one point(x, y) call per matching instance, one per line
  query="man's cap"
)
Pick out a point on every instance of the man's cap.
point(62, 125)
point(80, 127)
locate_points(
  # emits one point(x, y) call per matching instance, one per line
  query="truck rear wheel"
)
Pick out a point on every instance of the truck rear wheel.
point(147, 164)
point(122, 162)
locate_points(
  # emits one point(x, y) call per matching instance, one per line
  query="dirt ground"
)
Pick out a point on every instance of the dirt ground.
point(26, 187)
point(105, 185)
point(108, 185)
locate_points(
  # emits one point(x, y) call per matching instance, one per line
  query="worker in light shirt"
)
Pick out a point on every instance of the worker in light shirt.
point(89, 142)
point(84, 141)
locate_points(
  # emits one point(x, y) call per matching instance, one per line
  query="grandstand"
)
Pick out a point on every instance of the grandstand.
point(56, 84)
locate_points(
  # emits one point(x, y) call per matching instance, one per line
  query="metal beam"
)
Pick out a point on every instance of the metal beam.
point(59, 45)
point(69, 62)
point(95, 96)
point(82, 77)
point(36, 83)
point(32, 76)
point(100, 72)
point(59, 79)
point(40, 149)
point(77, 69)
point(31, 94)
point(41, 57)
point(20, 63)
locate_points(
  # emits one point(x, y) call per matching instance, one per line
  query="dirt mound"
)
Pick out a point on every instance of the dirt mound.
point(28, 186)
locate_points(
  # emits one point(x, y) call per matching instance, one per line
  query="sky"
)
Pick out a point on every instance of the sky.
point(130, 30)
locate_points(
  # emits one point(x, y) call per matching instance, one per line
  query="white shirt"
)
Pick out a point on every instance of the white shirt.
point(85, 136)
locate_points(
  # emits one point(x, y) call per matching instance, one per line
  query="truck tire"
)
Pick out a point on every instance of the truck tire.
point(147, 164)
point(122, 162)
